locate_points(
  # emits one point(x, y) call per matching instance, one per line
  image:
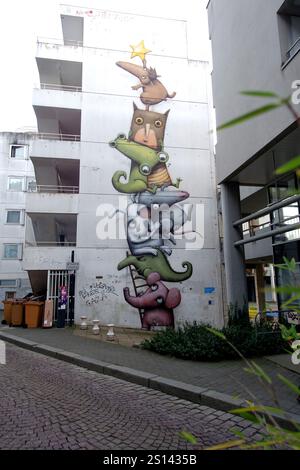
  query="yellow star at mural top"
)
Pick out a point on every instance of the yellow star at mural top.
point(139, 51)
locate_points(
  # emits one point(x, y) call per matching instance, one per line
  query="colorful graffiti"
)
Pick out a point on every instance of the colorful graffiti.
point(157, 302)
point(152, 190)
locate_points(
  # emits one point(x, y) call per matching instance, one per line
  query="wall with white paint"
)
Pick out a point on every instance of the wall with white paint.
point(11, 269)
point(179, 43)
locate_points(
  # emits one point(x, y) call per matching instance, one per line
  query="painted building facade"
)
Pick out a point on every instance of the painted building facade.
point(88, 106)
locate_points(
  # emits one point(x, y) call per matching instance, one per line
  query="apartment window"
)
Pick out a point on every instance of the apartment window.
point(13, 217)
point(12, 251)
point(19, 152)
point(289, 29)
point(8, 282)
point(15, 183)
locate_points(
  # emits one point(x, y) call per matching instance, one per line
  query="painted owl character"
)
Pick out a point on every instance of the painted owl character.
point(148, 128)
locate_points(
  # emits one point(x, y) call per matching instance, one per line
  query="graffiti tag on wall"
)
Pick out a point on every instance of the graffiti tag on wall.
point(97, 292)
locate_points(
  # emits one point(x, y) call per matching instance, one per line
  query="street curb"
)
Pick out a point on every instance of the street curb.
point(201, 396)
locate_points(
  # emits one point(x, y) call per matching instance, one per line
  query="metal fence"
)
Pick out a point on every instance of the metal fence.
point(55, 136)
point(49, 188)
point(57, 279)
point(59, 86)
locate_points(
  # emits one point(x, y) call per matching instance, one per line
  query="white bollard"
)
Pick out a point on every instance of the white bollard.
point(96, 329)
point(83, 324)
point(110, 335)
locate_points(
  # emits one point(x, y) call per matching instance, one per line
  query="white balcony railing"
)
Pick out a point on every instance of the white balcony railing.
point(50, 243)
point(59, 42)
point(58, 86)
point(54, 136)
point(49, 188)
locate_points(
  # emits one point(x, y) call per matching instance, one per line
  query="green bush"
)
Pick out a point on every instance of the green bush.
point(195, 342)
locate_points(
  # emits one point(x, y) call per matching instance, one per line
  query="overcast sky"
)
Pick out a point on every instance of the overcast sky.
point(22, 21)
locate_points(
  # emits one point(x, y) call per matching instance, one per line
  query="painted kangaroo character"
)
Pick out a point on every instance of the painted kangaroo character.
point(143, 161)
point(157, 303)
point(154, 91)
point(148, 264)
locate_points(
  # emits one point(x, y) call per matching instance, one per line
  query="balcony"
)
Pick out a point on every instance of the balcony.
point(56, 49)
point(39, 258)
point(48, 200)
point(72, 27)
point(277, 223)
point(57, 123)
point(56, 175)
point(60, 74)
point(56, 98)
point(50, 230)
point(54, 136)
point(57, 146)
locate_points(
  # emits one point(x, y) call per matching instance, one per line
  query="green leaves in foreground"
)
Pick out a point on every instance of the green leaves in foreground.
point(260, 94)
point(292, 165)
point(246, 117)
point(288, 265)
point(259, 111)
point(259, 372)
point(216, 333)
point(188, 437)
point(287, 382)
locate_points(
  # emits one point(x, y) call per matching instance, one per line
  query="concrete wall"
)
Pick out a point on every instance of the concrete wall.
point(57, 99)
point(50, 148)
point(50, 202)
point(107, 108)
point(12, 269)
point(247, 56)
point(174, 34)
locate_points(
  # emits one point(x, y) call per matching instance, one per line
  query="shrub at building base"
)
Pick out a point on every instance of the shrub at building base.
point(195, 342)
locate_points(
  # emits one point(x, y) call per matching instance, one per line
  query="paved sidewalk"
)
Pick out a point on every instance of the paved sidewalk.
point(49, 404)
point(226, 377)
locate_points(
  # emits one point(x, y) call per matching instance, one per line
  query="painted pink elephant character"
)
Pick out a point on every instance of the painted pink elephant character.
point(156, 303)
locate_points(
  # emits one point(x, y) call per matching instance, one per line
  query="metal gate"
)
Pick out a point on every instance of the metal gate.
point(56, 279)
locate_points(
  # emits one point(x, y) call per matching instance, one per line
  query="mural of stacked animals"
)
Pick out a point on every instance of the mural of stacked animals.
point(150, 189)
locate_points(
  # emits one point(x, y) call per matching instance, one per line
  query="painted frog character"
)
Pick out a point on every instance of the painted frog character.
point(143, 161)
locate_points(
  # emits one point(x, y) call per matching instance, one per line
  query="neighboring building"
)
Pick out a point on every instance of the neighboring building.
point(256, 47)
point(16, 178)
point(84, 102)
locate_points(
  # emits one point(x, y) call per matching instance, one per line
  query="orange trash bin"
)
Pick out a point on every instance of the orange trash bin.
point(17, 313)
point(7, 310)
point(33, 314)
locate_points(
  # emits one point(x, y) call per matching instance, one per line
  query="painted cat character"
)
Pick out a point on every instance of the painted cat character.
point(148, 128)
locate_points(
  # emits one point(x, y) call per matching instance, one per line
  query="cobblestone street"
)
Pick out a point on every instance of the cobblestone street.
point(49, 404)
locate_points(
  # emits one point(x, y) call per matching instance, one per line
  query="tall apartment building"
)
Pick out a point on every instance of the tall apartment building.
point(16, 179)
point(256, 47)
point(84, 102)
